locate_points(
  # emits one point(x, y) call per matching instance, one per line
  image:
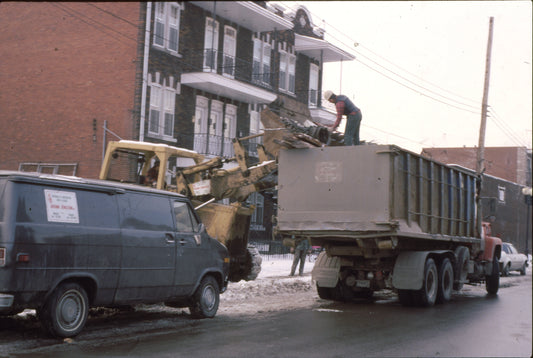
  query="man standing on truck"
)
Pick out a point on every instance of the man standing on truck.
point(353, 116)
point(300, 251)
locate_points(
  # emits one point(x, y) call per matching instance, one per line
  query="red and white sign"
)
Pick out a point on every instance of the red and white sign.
point(61, 206)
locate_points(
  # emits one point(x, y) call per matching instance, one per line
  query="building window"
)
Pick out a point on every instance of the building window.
point(256, 127)
point(50, 168)
point(210, 45)
point(230, 130)
point(287, 70)
point(258, 200)
point(261, 62)
point(230, 46)
point(501, 194)
point(313, 86)
point(166, 25)
point(162, 111)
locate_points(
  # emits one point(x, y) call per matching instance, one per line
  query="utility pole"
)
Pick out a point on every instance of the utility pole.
point(481, 147)
point(480, 163)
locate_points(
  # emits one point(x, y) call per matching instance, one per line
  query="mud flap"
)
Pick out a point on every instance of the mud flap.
point(409, 270)
point(326, 270)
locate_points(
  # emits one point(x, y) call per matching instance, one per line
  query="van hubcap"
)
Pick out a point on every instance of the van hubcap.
point(209, 297)
point(70, 310)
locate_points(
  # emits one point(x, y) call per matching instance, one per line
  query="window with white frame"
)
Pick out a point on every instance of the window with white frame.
point(501, 194)
point(256, 222)
point(313, 86)
point(230, 46)
point(256, 127)
point(210, 45)
point(166, 25)
point(230, 130)
point(162, 110)
point(261, 62)
point(287, 69)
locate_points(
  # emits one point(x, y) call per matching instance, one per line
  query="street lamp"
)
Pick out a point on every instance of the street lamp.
point(526, 191)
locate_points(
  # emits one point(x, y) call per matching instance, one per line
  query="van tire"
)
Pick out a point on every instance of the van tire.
point(64, 313)
point(206, 299)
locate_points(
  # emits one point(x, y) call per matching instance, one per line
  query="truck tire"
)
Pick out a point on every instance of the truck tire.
point(427, 295)
point(444, 293)
point(462, 254)
point(205, 299)
point(406, 298)
point(325, 293)
point(492, 281)
point(65, 312)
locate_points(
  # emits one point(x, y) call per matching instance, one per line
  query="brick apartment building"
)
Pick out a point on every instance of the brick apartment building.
point(190, 74)
point(509, 163)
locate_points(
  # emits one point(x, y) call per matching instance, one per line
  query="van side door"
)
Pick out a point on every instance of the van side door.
point(192, 248)
point(148, 248)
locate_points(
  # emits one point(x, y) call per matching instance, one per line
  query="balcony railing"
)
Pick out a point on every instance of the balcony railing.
point(221, 63)
point(217, 145)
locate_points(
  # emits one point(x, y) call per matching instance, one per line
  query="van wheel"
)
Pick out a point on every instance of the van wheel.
point(427, 295)
point(444, 293)
point(206, 299)
point(65, 312)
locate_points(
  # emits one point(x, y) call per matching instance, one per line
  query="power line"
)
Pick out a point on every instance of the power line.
point(402, 77)
point(505, 127)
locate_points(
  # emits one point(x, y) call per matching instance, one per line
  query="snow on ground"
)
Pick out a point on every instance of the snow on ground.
point(273, 290)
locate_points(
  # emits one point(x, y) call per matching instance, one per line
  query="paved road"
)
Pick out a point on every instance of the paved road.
point(472, 325)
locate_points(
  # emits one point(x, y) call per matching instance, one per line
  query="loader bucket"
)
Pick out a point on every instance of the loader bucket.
point(230, 224)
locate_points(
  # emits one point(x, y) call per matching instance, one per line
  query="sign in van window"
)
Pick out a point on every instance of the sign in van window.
point(61, 206)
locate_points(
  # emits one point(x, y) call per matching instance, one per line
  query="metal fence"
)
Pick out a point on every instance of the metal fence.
point(272, 250)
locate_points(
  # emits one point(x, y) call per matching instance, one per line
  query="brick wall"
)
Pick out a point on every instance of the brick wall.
point(509, 163)
point(64, 65)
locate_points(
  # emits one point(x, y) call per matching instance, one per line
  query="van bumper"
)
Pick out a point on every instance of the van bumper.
point(6, 301)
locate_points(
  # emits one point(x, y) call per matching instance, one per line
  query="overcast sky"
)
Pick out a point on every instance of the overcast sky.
point(420, 66)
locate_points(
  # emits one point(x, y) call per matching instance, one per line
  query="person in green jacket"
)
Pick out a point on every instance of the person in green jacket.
point(300, 251)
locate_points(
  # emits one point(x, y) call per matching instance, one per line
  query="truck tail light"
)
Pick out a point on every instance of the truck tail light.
point(2, 256)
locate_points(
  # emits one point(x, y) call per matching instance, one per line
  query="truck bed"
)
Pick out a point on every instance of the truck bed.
point(373, 191)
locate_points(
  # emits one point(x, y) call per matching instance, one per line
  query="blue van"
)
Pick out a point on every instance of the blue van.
point(68, 243)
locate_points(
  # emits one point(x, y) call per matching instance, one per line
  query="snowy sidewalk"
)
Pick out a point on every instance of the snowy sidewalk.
point(281, 267)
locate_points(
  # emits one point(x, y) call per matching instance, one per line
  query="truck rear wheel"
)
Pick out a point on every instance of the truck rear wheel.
point(65, 312)
point(325, 293)
point(427, 295)
point(406, 298)
point(492, 281)
point(444, 293)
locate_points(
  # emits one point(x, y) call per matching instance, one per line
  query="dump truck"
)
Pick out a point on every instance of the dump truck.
point(387, 218)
